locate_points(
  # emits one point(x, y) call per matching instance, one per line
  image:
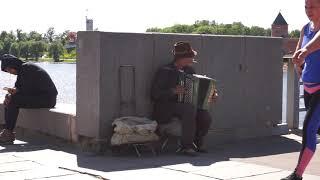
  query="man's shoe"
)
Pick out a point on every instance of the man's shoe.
point(7, 137)
point(199, 145)
point(187, 152)
point(292, 176)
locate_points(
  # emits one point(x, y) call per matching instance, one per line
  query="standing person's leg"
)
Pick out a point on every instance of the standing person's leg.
point(203, 121)
point(310, 129)
point(307, 98)
point(309, 138)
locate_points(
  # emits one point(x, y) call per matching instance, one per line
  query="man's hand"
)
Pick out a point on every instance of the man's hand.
point(213, 96)
point(11, 91)
point(179, 90)
point(7, 99)
point(299, 56)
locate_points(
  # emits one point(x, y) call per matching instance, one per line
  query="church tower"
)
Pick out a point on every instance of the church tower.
point(279, 27)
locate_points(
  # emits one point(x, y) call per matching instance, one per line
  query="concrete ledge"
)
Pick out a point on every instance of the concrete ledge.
point(59, 121)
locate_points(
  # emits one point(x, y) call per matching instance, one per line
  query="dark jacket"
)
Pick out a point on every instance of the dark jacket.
point(165, 81)
point(31, 79)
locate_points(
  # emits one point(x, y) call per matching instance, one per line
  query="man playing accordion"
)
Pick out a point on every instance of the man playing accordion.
point(165, 93)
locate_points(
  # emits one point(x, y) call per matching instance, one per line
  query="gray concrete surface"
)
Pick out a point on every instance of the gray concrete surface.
point(248, 71)
point(59, 121)
point(256, 159)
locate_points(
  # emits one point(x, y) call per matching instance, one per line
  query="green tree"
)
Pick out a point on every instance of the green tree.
point(257, 31)
point(56, 50)
point(268, 32)
point(180, 28)
point(155, 29)
point(37, 48)
point(15, 49)
point(34, 36)
point(203, 23)
point(237, 28)
point(21, 36)
point(1, 48)
point(7, 44)
point(50, 35)
point(205, 30)
point(25, 49)
point(3, 35)
point(63, 37)
point(211, 27)
point(295, 34)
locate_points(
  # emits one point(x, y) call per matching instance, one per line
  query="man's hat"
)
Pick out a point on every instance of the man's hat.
point(183, 50)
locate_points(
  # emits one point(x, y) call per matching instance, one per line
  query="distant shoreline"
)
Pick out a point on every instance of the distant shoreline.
point(50, 62)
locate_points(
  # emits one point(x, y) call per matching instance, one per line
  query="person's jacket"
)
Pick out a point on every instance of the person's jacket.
point(31, 79)
point(165, 81)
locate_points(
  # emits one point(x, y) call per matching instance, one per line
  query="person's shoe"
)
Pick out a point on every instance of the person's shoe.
point(292, 176)
point(199, 147)
point(7, 137)
point(187, 152)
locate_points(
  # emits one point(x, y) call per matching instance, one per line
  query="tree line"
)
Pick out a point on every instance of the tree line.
point(34, 45)
point(212, 27)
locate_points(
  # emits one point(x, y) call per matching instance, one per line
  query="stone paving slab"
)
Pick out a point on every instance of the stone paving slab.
point(6, 158)
point(18, 166)
point(72, 177)
point(230, 171)
point(187, 167)
point(154, 174)
point(37, 173)
point(50, 157)
point(277, 176)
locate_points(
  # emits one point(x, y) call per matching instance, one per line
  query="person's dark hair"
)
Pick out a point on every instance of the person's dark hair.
point(11, 61)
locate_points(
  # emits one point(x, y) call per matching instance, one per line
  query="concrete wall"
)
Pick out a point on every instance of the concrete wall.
point(248, 71)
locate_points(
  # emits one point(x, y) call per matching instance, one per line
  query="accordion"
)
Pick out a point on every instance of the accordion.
point(199, 90)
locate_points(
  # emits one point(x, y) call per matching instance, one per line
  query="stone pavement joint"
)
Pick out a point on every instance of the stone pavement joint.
point(86, 173)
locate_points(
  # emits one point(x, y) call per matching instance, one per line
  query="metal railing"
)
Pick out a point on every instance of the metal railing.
point(293, 95)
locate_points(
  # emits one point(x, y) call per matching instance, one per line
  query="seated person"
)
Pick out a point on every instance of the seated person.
point(164, 93)
point(33, 89)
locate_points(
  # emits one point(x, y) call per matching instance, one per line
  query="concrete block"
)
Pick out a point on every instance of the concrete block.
point(248, 71)
point(56, 121)
point(88, 83)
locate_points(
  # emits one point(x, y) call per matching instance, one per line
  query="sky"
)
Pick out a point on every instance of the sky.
point(138, 15)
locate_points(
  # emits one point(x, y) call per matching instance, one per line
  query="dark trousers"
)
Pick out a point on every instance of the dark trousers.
point(195, 122)
point(29, 102)
point(307, 99)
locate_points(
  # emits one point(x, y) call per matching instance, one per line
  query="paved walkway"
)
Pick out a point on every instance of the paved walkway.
point(258, 159)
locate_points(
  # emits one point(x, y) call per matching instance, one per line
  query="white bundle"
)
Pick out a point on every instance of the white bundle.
point(132, 129)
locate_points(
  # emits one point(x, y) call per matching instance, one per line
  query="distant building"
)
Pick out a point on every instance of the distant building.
point(89, 24)
point(72, 38)
point(280, 28)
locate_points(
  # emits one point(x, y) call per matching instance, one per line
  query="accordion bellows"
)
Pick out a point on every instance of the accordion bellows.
point(199, 89)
